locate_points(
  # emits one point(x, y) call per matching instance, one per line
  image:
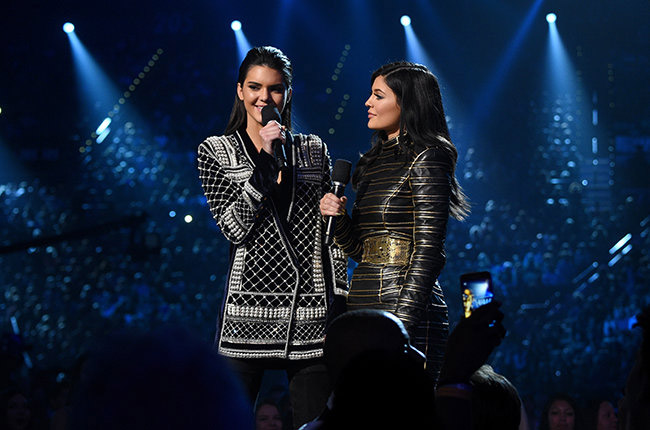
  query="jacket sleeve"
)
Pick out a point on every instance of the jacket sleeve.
point(430, 183)
point(347, 238)
point(234, 205)
point(338, 258)
point(344, 237)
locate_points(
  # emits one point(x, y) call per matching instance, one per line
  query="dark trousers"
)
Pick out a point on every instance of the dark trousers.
point(309, 383)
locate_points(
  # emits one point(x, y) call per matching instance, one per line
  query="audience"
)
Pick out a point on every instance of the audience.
point(635, 406)
point(382, 390)
point(566, 331)
point(16, 411)
point(163, 379)
point(495, 402)
point(267, 416)
point(380, 381)
point(601, 415)
point(561, 412)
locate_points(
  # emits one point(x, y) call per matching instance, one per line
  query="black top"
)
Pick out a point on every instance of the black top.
point(265, 176)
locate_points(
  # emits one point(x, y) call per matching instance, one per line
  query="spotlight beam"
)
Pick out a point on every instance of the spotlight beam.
point(243, 46)
point(560, 71)
point(416, 53)
point(488, 93)
point(97, 91)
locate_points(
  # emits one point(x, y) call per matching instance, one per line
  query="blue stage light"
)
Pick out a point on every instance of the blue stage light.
point(405, 20)
point(498, 77)
point(551, 18)
point(68, 27)
point(103, 126)
point(243, 46)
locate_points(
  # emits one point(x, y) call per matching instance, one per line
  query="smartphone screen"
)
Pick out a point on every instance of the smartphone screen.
point(476, 290)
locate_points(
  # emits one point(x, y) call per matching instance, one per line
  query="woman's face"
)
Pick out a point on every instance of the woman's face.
point(606, 417)
point(383, 109)
point(262, 86)
point(18, 413)
point(561, 416)
point(268, 418)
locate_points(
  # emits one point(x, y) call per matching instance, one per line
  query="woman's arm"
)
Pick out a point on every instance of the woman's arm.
point(339, 261)
point(344, 233)
point(429, 179)
point(234, 205)
point(347, 238)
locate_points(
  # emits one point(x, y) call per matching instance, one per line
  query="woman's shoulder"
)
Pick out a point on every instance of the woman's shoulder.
point(221, 147)
point(432, 150)
point(308, 140)
point(310, 144)
point(213, 141)
point(311, 149)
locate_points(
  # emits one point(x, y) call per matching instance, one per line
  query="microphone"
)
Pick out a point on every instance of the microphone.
point(270, 113)
point(340, 178)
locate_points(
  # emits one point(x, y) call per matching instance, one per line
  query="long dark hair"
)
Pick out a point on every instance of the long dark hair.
point(261, 56)
point(422, 123)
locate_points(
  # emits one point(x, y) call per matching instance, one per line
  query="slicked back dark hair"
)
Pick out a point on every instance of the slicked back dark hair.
point(268, 56)
point(422, 123)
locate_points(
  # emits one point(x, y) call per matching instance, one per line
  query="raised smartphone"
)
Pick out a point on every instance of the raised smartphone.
point(476, 290)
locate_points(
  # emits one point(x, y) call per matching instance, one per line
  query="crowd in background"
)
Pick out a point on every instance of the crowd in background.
point(131, 243)
point(140, 263)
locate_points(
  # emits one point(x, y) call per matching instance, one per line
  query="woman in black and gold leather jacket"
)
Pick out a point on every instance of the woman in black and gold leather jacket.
point(406, 190)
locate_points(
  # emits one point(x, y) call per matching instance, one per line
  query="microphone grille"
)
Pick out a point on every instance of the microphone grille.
point(341, 172)
point(270, 113)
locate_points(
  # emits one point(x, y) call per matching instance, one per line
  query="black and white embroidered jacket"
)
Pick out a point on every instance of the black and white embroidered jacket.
point(281, 276)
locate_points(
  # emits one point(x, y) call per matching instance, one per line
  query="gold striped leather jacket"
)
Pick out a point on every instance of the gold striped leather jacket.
point(396, 233)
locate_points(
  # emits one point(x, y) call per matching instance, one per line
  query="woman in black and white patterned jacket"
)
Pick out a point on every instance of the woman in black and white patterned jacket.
point(283, 282)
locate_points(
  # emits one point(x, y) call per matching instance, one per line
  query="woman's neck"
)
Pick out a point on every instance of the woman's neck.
point(253, 130)
point(391, 140)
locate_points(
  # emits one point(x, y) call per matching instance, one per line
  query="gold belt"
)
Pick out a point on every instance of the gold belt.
point(386, 250)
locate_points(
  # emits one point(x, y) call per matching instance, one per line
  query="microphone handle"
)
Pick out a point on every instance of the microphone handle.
point(338, 191)
point(278, 151)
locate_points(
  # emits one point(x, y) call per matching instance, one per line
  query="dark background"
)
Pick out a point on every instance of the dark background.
point(111, 256)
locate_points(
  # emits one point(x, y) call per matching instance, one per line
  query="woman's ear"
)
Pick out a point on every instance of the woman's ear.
point(287, 99)
point(240, 92)
point(289, 94)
